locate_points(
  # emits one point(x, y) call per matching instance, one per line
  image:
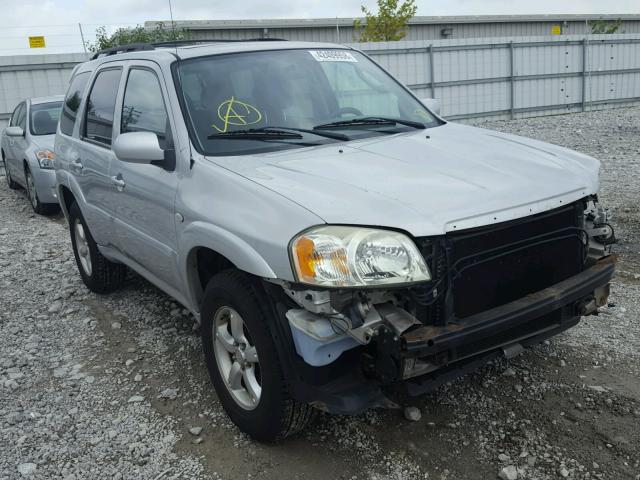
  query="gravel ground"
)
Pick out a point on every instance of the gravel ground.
point(115, 387)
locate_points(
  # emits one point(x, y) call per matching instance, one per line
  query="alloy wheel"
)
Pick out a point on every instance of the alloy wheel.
point(82, 245)
point(237, 358)
point(31, 190)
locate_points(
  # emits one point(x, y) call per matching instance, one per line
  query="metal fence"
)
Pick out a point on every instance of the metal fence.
point(517, 77)
point(25, 76)
point(473, 78)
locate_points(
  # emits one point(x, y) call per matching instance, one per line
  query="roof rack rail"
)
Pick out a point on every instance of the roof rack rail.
point(172, 43)
point(132, 47)
point(138, 47)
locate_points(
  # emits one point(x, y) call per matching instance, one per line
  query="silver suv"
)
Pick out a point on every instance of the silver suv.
point(342, 245)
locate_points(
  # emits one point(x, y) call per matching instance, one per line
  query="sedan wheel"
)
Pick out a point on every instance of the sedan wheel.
point(237, 358)
point(31, 191)
point(12, 185)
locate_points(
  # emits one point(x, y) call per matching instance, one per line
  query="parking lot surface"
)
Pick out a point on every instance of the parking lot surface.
point(115, 387)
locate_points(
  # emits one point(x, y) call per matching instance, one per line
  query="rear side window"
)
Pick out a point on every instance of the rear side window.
point(72, 102)
point(143, 108)
point(101, 106)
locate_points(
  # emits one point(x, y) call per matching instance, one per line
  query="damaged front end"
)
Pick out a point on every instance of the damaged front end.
point(487, 292)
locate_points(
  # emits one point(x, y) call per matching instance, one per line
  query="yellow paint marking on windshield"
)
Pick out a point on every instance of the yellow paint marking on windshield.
point(233, 112)
point(423, 114)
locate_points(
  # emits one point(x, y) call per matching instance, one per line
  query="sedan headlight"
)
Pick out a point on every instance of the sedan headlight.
point(45, 158)
point(338, 256)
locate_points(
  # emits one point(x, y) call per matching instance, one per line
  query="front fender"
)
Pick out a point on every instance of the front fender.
point(200, 234)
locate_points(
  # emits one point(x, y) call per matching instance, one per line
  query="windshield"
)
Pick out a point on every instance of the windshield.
point(44, 118)
point(299, 89)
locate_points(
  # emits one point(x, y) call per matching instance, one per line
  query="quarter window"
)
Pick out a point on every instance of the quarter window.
point(143, 108)
point(101, 106)
point(72, 102)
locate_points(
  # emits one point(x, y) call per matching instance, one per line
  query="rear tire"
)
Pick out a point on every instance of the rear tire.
point(98, 274)
point(272, 414)
point(38, 207)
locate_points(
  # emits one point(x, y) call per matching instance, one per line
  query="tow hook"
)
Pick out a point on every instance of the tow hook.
point(587, 307)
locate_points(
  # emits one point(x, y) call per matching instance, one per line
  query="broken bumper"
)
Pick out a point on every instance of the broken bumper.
point(428, 356)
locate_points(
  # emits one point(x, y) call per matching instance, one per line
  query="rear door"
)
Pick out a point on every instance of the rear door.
point(144, 199)
point(94, 154)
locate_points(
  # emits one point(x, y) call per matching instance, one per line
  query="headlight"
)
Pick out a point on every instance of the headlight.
point(45, 158)
point(336, 256)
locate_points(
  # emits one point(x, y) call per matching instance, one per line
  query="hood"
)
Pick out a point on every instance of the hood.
point(43, 141)
point(427, 182)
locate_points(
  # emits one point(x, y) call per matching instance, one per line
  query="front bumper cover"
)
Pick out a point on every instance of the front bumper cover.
point(428, 356)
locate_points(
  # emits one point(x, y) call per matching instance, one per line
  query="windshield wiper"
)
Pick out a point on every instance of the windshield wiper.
point(256, 134)
point(275, 132)
point(370, 121)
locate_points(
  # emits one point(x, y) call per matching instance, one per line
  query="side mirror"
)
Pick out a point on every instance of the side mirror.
point(14, 132)
point(432, 104)
point(138, 147)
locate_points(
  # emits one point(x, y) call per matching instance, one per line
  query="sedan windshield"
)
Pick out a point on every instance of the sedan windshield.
point(311, 92)
point(44, 118)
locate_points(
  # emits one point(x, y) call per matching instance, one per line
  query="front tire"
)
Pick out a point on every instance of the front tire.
point(38, 207)
point(12, 185)
point(98, 274)
point(242, 360)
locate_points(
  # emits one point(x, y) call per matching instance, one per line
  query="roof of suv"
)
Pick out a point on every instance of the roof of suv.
point(169, 52)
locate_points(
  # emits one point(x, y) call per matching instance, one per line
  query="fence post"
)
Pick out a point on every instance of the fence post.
point(432, 72)
point(512, 79)
point(585, 46)
point(84, 45)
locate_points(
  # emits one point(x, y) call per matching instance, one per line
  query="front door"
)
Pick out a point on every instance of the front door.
point(18, 147)
point(143, 208)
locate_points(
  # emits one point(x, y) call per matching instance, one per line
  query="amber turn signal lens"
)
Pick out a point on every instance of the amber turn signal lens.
point(304, 250)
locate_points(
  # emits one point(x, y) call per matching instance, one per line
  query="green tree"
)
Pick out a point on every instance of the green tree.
point(138, 34)
point(390, 23)
point(605, 26)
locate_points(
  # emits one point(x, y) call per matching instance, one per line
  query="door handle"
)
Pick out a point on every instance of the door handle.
point(76, 166)
point(118, 182)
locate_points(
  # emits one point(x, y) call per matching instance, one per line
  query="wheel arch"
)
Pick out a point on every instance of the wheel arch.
point(208, 249)
point(66, 198)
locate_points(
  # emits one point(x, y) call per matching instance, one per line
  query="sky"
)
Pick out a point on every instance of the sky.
point(58, 20)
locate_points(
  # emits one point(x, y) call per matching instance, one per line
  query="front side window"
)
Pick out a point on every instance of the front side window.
point(143, 108)
point(296, 89)
point(16, 115)
point(44, 118)
point(72, 102)
point(101, 106)
point(21, 121)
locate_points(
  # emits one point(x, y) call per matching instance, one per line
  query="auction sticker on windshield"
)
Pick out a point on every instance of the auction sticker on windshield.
point(333, 56)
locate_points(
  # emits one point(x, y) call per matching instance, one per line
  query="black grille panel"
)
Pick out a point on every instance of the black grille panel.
point(486, 267)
